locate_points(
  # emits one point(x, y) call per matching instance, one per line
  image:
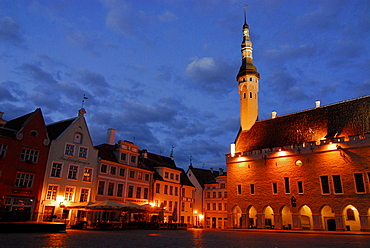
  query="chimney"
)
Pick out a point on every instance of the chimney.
point(81, 112)
point(318, 103)
point(111, 133)
point(2, 121)
point(273, 114)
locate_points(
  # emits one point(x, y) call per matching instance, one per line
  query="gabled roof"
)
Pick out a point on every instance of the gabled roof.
point(15, 125)
point(184, 180)
point(106, 152)
point(341, 119)
point(155, 160)
point(204, 176)
point(57, 128)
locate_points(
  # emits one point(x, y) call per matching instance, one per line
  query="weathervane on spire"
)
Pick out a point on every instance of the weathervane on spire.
point(83, 100)
point(172, 151)
point(245, 13)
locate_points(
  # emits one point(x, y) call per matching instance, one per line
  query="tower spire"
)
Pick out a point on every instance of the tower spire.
point(247, 78)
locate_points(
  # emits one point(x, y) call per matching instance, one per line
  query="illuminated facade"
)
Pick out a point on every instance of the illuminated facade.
point(304, 171)
point(24, 147)
point(70, 171)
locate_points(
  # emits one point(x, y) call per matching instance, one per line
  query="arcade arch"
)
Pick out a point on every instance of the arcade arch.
point(286, 218)
point(237, 217)
point(305, 217)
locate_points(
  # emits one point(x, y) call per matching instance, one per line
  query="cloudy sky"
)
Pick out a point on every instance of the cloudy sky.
point(162, 72)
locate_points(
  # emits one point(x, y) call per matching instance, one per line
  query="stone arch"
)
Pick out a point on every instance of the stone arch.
point(236, 216)
point(351, 218)
point(268, 218)
point(305, 218)
point(327, 215)
point(252, 217)
point(286, 218)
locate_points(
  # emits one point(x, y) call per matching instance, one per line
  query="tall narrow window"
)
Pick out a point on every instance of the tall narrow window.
point(239, 189)
point(337, 184)
point(166, 189)
point(130, 192)
point(300, 187)
point(146, 193)
point(68, 194)
point(120, 189)
point(87, 175)
point(56, 169)
point(274, 188)
point(287, 185)
point(101, 186)
point(110, 189)
point(51, 194)
point(252, 189)
point(84, 195)
point(325, 185)
point(359, 182)
point(72, 173)
point(138, 192)
point(157, 188)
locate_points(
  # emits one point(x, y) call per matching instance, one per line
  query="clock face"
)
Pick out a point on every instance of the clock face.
point(298, 163)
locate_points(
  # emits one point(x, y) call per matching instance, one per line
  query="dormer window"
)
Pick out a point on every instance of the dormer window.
point(77, 138)
point(133, 159)
point(123, 156)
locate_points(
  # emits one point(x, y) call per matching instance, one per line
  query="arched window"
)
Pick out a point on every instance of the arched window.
point(77, 138)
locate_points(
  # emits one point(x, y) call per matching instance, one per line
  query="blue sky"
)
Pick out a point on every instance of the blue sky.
point(162, 72)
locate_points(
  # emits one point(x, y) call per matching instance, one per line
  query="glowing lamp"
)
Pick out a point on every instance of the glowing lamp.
point(201, 216)
point(232, 149)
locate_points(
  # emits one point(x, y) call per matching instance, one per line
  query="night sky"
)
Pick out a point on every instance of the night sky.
point(163, 72)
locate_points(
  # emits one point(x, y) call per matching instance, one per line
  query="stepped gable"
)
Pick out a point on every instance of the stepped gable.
point(341, 119)
point(57, 128)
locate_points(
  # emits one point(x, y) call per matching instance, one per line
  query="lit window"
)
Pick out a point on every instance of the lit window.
point(29, 155)
point(72, 173)
point(140, 175)
point(68, 194)
point(70, 149)
point(24, 180)
point(83, 152)
point(87, 175)
point(84, 195)
point(56, 169)
point(52, 192)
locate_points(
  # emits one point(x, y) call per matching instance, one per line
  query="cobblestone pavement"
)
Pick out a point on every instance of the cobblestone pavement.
point(196, 238)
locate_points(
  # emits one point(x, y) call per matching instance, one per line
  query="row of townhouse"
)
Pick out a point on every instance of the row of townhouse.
point(53, 172)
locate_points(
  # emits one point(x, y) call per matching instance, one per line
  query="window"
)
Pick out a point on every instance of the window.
point(208, 195)
point(133, 159)
point(359, 182)
point(337, 184)
point(110, 189)
point(51, 194)
point(208, 206)
point(157, 188)
point(252, 189)
point(56, 169)
point(171, 190)
point(177, 177)
point(166, 189)
point(2, 150)
point(103, 168)
point(101, 186)
point(84, 195)
point(219, 194)
point(130, 192)
point(146, 193)
point(122, 172)
point(72, 173)
point(70, 150)
point(166, 175)
point(113, 170)
point(132, 174)
point(176, 191)
point(29, 155)
point(68, 194)
point(123, 156)
point(225, 194)
point(138, 192)
point(170, 206)
point(220, 206)
point(24, 180)
point(287, 185)
point(350, 214)
point(182, 206)
point(77, 138)
point(239, 189)
point(120, 189)
point(183, 192)
point(140, 175)
point(171, 176)
point(325, 185)
point(274, 188)
point(87, 175)
point(214, 194)
point(83, 152)
point(300, 187)
point(214, 206)
point(146, 177)
point(222, 186)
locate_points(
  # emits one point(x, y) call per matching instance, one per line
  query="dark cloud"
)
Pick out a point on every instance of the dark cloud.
point(210, 75)
point(6, 94)
point(37, 73)
point(95, 82)
point(10, 31)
